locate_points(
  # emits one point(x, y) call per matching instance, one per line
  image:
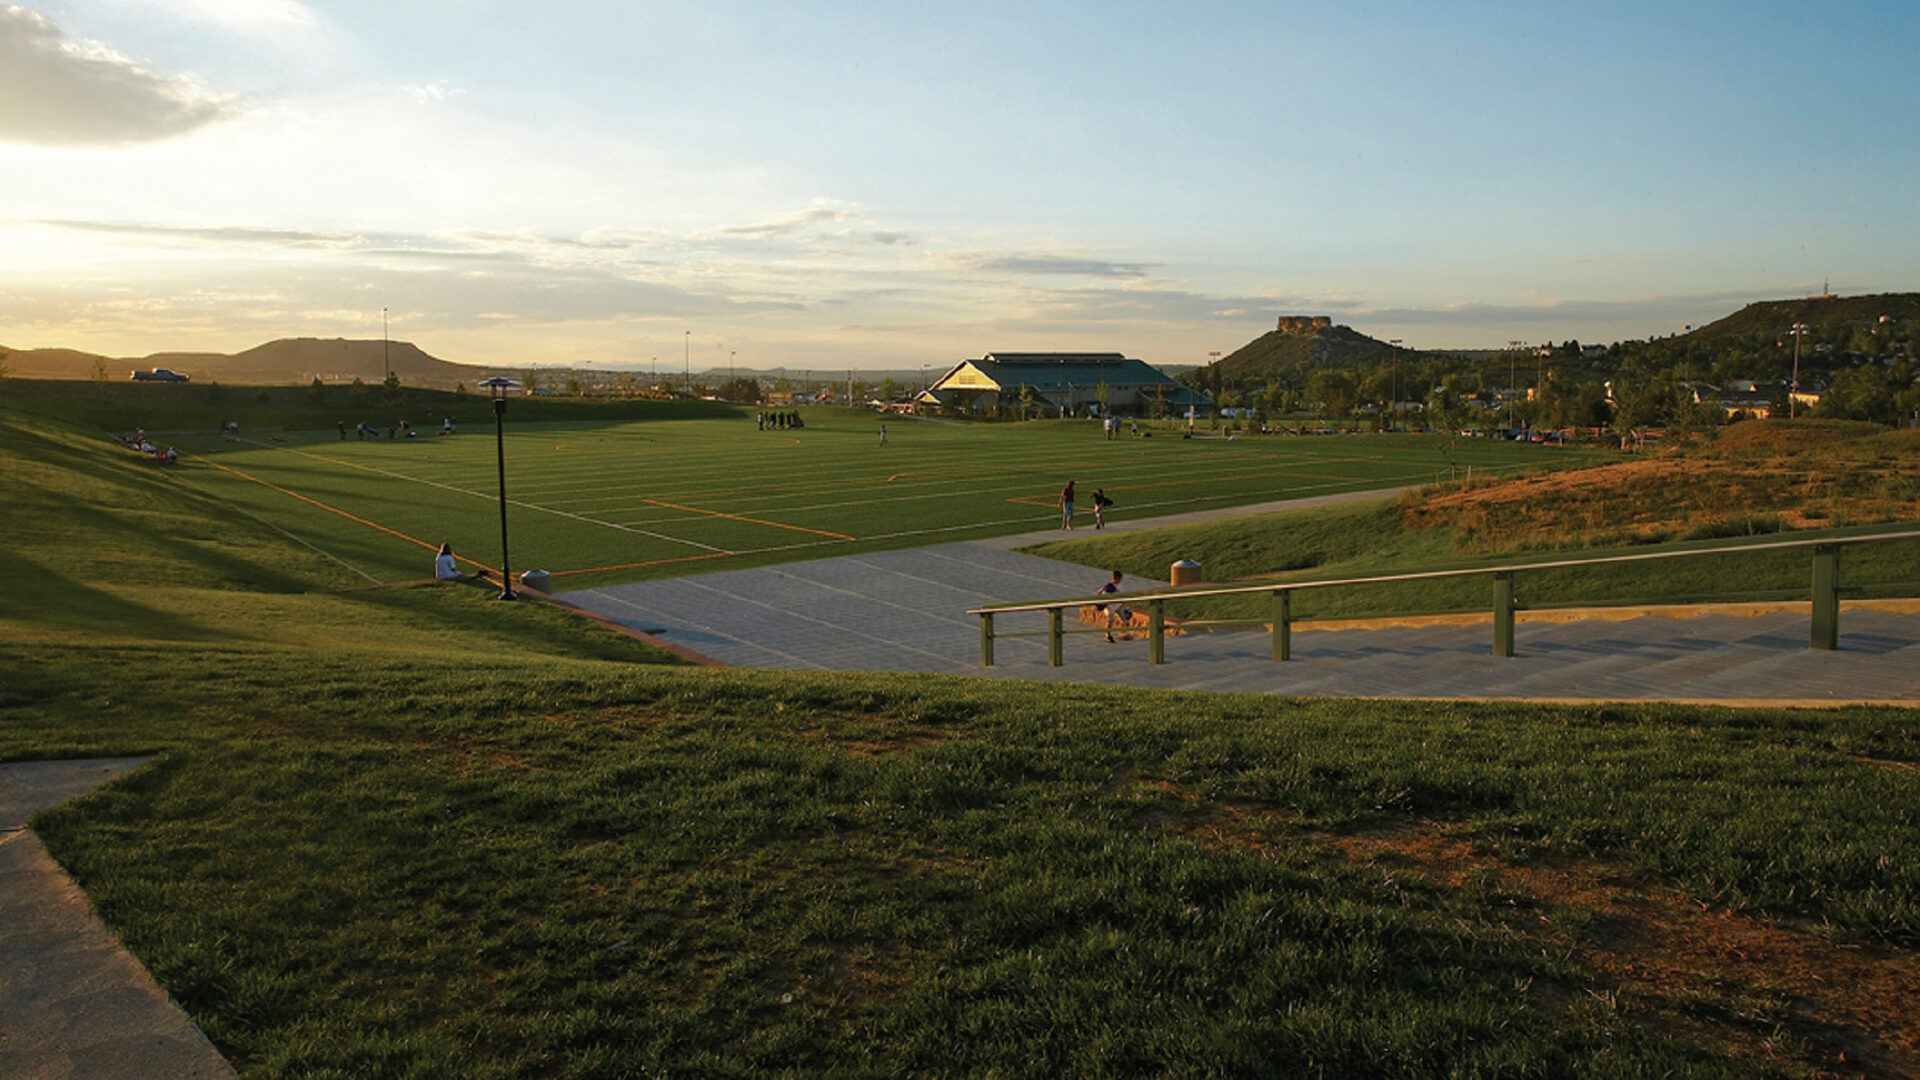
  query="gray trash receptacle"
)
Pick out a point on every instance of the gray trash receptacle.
point(536, 579)
point(1184, 572)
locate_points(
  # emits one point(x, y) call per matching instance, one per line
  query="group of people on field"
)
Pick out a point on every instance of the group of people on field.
point(778, 421)
point(402, 430)
point(1100, 504)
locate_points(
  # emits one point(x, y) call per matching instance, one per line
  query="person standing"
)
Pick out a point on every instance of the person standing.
point(883, 434)
point(1066, 506)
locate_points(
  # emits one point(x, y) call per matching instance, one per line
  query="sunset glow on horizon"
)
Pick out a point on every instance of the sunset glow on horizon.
point(861, 185)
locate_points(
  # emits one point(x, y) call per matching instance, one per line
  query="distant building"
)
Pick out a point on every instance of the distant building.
point(1066, 382)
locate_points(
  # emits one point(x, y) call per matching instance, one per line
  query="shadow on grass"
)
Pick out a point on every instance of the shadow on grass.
point(42, 596)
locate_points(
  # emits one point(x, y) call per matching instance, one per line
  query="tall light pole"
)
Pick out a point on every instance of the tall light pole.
point(1393, 385)
point(1793, 389)
point(499, 385)
point(686, 364)
point(385, 361)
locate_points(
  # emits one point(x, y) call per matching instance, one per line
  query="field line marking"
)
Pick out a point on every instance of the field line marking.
point(484, 495)
point(311, 547)
point(335, 510)
point(752, 521)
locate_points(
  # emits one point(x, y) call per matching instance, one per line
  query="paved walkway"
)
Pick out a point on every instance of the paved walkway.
point(906, 611)
point(73, 1003)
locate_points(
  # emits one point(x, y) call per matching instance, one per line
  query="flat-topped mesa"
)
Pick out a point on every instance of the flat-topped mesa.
point(1293, 324)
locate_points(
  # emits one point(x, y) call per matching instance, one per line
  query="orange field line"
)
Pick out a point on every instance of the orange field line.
point(751, 521)
point(334, 509)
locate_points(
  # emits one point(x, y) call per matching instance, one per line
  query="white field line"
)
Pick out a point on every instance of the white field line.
point(311, 547)
point(1129, 480)
point(486, 495)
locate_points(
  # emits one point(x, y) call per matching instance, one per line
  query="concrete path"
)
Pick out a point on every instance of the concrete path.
point(73, 1003)
point(906, 611)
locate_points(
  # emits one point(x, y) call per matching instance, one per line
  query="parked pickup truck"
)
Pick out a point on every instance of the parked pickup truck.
point(158, 374)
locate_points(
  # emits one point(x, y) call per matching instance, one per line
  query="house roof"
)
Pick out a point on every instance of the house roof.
point(1047, 372)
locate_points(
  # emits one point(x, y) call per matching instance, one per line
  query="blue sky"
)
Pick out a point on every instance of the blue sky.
point(873, 185)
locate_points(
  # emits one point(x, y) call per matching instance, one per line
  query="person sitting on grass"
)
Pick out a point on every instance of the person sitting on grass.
point(1116, 611)
point(444, 567)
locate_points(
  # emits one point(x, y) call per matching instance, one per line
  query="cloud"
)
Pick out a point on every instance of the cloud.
point(1058, 264)
point(295, 238)
point(55, 93)
point(796, 223)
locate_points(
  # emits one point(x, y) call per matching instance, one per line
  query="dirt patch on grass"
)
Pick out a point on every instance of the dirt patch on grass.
point(1710, 975)
point(1680, 967)
point(875, 736)
point(1752, 478)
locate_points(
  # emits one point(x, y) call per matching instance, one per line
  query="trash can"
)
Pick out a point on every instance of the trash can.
point(536, 580)
point(1185, 572)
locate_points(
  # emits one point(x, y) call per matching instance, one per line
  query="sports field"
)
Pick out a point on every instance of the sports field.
point(598, 503)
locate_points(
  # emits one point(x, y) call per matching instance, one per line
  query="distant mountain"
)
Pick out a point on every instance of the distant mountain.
point(289, 360)
point(1300, 342)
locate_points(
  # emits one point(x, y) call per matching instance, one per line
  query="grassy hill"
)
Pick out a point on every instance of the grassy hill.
point(413, 831)
point(1828, 318)
point(1757, 478)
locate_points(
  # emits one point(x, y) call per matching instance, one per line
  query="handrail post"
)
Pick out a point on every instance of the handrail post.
point(1054, 658)
point(1826, 597)
point(1156, 631)
point(1503, 613)
point(1282, 627)
point(986, 639)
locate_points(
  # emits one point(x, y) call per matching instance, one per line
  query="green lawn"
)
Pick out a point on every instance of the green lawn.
point(414, 832)
point(599, 502)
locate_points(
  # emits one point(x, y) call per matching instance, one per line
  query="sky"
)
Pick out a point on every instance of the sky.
point(883, 185)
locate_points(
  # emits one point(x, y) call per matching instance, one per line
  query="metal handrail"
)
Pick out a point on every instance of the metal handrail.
point(1825, 595)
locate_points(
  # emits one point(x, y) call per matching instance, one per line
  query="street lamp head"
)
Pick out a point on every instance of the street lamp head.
point(499, 385)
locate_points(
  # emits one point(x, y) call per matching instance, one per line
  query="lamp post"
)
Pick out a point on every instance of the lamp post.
point(686, 363)
point(498, 386)
point(385, 360)
point(1793, 389)
point(1393, 385)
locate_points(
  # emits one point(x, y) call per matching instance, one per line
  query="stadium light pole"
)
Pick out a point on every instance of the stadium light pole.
point(1393, 387)
point(1793, 389)
point(686, 364)
point(385, 360)
point(498, 386)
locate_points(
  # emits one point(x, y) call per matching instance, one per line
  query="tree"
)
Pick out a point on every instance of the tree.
point(530, 380)
point(626, 383)
point(316, 390)
point(99, 377)
point(888, 388)
point(1102, 393)
point(1447, 412)
point(742, 390)
point(1026, 399)
point(390, 386)
point(573, 385)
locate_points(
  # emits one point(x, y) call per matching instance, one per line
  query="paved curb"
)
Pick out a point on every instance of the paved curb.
point(73, 1002)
